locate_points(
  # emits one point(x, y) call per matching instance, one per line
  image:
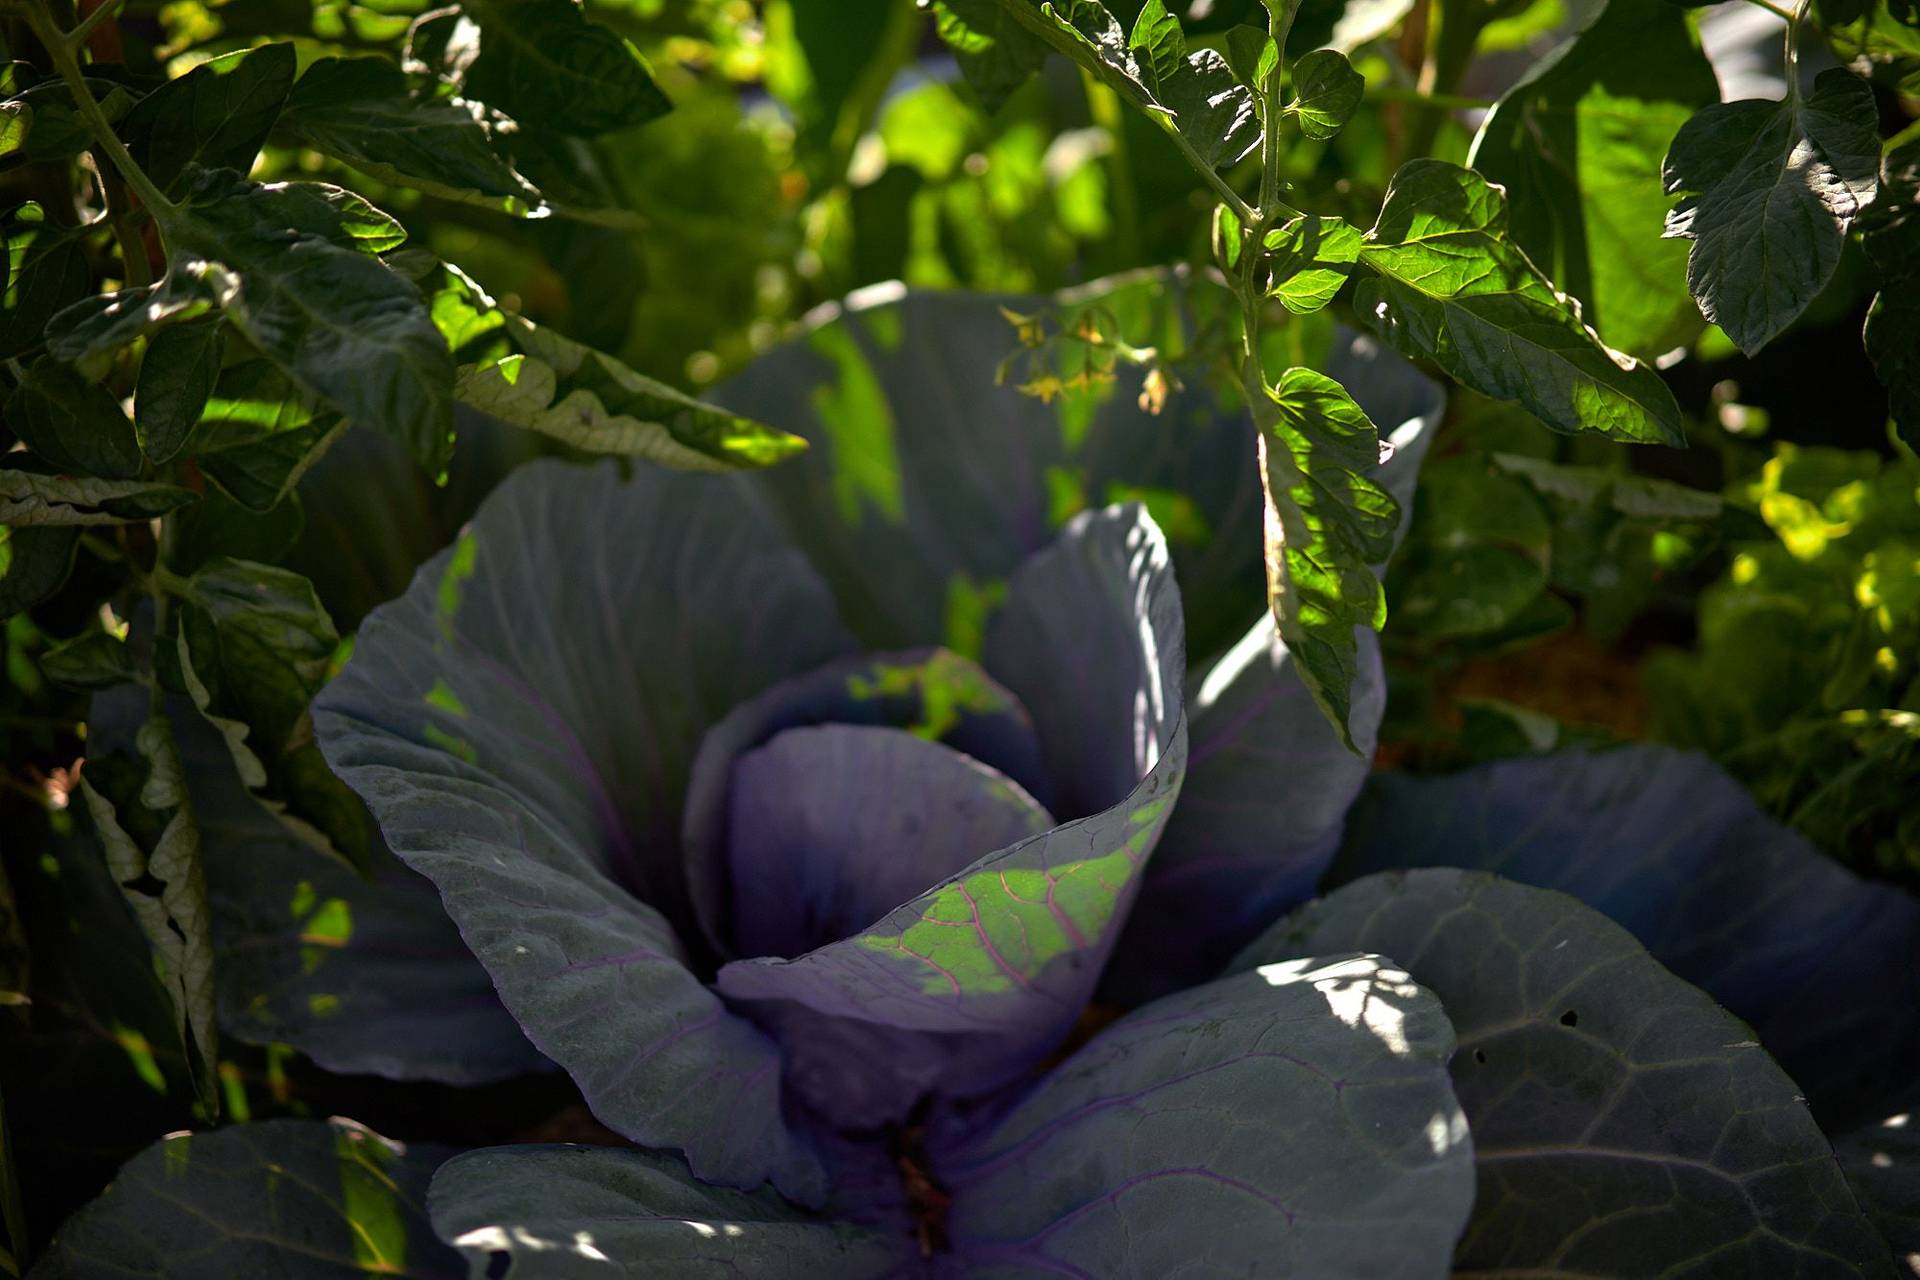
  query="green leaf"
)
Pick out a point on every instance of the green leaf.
point(1454, 289)
point(1478, 556)
point(28, 499)
point(34, 562)
point(543, 63)
point(145, 823)
point(1252, 55)
point(57, 133)
point(1309, 258)
point(108, 321)
point(339, 322)
point(177, 374)
point(218, 115)
point(16, 125)
point(1213, 111)
point(259, 434)
point(1583, 136)
point(76, 426)
point(1158, 44)
point(218, 525)
point(1636, 497)
point(255, 645)
point(587, 399)
point(996, 54)
point(1327, 523)
point(1769, 191)
point(1890, 233)
point(1623, 1124)
point(1326, 93)
point(46, 271)
point(363, 112)
point(92, 660)
point(288, 1198)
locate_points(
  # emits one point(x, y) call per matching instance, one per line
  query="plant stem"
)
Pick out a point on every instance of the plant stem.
point(1228, 196)
point(1279, 25)
point(78, 36)
point(1794, 25)
point(61, 48)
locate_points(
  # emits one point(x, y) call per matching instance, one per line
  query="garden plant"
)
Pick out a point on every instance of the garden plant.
point(995, 637)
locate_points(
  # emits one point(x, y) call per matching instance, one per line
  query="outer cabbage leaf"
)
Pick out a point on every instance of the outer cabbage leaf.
point(1269, 782)
point(1623, 1124)
point(1825, 966)
point(281, 1198)
point(1882, 1164)
point(927, 484)
point(593, 1212)
point(1293, 1121)
point(977, 978)
point(521, 723)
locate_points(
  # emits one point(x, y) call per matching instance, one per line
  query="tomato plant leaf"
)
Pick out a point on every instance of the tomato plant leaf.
point(363, 112)
point(177, 375)
point(1327, 524)
point(1309, 258)
point(547, 382)
point(1454, 289)
point(258, 434)
point(144, 820)
point(996, 54)
point(217, 116)
point(1768, 191)
point(1326, 93)
point(544, 63)
point(73, 424)
point(30, 500)
point(1582, 136)
point(1889, 231)
point(46, 272)
point(34, 562)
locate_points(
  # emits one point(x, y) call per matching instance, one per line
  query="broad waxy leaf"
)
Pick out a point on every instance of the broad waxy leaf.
point(541, 380)
point(216, 116)
point(73, 424)
point(46, 271)
point(1582, 138)
point(363, 112)
point(544, 63)
point(523, 1212)
point(1769, 190)
point(1292, 1121)
point(144, 820)
point(1327, 524)
point(1679, 854)
point(1622, 1123)
point(543, 797)
point(279, 1198)
point(1454, 289)
point(917, 508)
point(177, 375)
point(1009, 938)
point(1326, 93)
point(1882, 1163)
point(1310, 257)
point(28, 499)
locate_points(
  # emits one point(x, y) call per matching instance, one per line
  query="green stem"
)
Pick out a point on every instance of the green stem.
point(1794, 25)
point(1228, 196)
point(61, 48)
point(1434, 101)
point(1279, 25)
point(78, 36)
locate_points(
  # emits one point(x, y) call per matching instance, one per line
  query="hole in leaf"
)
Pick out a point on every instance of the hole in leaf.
point(1480, 1056)
point(1569, 1019)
